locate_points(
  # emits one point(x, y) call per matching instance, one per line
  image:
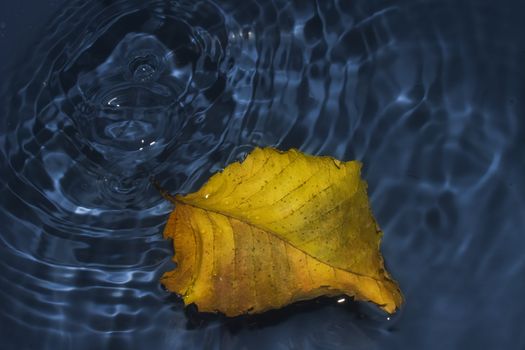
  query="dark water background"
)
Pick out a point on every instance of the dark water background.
point(97, 96)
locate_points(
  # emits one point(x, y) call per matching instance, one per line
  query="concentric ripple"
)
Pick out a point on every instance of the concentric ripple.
point(425, 93)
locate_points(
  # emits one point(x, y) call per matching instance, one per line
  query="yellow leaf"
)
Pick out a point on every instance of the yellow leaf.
point(277, 228)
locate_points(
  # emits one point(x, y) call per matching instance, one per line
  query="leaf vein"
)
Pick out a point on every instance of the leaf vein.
point(268, 181)
point(277, 236)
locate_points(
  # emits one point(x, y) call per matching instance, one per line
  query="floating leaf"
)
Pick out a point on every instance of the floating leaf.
point(275, 229)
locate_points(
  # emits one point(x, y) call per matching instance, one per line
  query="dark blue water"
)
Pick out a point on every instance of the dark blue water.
point(98, 96)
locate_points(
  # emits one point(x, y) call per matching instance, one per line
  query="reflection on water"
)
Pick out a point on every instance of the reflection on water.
point(427, 94)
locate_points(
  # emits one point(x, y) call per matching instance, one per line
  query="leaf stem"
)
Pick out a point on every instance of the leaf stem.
point(168, 196)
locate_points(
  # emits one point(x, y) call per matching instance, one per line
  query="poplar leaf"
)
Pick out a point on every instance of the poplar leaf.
point(277, 228)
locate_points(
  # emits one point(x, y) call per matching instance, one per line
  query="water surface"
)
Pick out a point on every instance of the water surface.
point(427, 94)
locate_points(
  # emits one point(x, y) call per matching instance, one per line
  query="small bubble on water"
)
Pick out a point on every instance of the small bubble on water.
point(113, 102)
point(144, 72)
